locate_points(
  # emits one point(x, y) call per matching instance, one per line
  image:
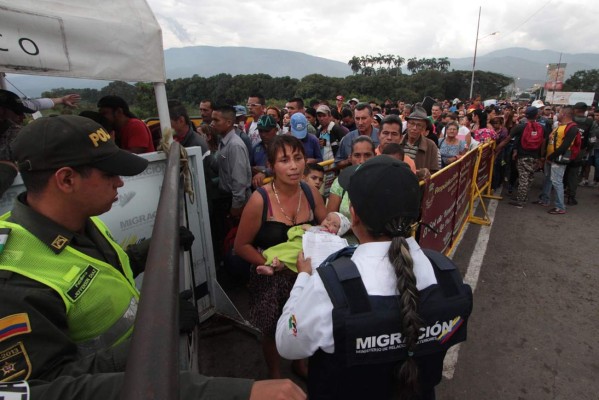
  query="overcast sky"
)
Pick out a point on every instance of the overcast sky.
point(340, 29)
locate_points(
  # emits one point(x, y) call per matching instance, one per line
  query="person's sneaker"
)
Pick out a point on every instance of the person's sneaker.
point(584, 182)
point(516, 204)
point(540, 203)
point(556, 211)
point(572, 201)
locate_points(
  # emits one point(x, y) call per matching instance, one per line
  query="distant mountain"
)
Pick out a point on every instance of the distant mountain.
point(530, 66)
point(527, 65)
point(208, 61)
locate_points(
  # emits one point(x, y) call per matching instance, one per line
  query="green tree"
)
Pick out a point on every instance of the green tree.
point(583, 81)
point(355, 64)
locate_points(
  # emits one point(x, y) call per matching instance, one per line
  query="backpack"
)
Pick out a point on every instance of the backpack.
point(532, 136)
point(576, 143)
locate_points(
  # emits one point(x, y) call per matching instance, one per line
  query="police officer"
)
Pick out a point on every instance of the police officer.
point(376, 322)
point(67, 295)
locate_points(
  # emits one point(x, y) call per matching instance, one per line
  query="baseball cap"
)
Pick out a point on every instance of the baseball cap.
point(13, 102)
point(70, 141)
point(240, 110)
point(384, 188)
point(323, 109)
point(531, 112)
point(299, 125)
point(354, 99)
point(266, 122)
point(580, 106)
point(340, 98)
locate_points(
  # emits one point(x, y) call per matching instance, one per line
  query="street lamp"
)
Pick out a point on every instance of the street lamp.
point(475, 48)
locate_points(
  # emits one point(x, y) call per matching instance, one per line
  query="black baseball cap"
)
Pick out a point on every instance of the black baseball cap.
point(580, 106)
point(384, 188)
point(13, 102)
point(70, 141)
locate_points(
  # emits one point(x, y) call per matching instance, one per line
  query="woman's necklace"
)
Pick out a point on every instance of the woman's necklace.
point(299, 203)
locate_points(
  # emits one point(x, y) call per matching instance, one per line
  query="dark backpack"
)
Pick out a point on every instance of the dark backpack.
point(532, 136)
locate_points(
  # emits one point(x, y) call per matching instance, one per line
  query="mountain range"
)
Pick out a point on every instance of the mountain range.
point(524, 65)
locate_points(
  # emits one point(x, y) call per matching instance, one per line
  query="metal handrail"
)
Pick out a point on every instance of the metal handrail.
point(153, 362)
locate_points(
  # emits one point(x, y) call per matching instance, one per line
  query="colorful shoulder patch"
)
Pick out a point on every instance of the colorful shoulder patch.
point(13, 325)
point(293, 325)
point(14, 363)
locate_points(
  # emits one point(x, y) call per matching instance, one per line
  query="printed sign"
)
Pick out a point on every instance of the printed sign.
point(32, 42)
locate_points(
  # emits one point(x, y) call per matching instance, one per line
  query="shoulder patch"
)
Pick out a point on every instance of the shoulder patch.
point(14, 390)
point(14, 363)
point(14, 325)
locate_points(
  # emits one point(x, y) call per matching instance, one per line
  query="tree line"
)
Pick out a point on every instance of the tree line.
point(390, 64)
point(412, 88)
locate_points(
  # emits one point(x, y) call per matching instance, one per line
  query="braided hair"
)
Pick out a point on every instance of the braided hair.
point(406, 373)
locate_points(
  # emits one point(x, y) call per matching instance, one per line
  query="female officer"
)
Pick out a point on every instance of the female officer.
point(376, 325)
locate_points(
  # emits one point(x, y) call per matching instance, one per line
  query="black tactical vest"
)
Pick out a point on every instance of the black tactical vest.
point(367, 331)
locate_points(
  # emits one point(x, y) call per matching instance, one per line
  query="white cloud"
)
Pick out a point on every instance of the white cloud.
point(339, 29)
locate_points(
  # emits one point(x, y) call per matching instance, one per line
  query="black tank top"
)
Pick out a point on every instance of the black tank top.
point(272, 233)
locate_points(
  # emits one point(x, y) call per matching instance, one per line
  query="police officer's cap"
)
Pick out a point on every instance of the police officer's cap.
point(70, 141)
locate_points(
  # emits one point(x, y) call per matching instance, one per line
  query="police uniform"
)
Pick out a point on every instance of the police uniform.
point(68, 302)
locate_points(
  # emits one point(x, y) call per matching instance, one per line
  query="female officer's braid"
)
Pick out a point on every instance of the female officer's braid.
point(403, 264)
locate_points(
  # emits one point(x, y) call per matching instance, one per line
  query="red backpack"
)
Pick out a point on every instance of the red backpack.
point(532, 137)
point(576, 143)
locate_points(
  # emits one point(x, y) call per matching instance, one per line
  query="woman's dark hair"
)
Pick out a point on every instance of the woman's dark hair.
point(406, 374)
point(363, 139)
point(482, 118)
point(280, 143)
point(210, 135)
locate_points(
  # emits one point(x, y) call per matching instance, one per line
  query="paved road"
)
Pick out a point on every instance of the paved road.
point(533, 332)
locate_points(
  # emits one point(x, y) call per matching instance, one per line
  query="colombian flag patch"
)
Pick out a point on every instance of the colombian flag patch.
point(13, 325)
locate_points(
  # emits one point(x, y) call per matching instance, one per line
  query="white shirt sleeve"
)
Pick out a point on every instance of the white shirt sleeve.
point(306, 323)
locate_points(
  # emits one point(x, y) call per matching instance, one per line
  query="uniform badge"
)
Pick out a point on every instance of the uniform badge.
point(14, 325)
point(59, 242)
point(293, 325)
point(14, 363)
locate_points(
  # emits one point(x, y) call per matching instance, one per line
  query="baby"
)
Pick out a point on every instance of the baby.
point(287, 252)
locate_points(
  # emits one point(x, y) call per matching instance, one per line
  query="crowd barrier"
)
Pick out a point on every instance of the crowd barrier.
point(449, 198)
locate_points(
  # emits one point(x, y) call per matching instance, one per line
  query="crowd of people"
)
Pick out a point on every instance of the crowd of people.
point(263, 181)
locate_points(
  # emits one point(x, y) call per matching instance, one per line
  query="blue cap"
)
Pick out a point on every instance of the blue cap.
point(299, 125)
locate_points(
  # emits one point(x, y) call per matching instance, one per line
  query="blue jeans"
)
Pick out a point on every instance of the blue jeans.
point(554, 177)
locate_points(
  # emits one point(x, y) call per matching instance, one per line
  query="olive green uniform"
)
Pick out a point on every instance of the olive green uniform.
point(34, 334)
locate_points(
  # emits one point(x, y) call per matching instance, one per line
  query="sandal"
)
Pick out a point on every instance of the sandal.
point(556, 211)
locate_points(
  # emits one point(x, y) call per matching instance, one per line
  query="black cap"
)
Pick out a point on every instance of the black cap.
point(13, 102)
point(382, 189)
point(70, 141)
point(580, 106)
